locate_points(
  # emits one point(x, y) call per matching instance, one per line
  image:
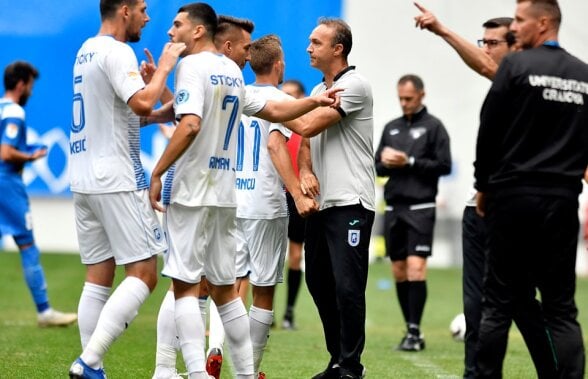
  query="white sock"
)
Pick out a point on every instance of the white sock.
point(167, 336)
point(202, 304)
point(92, 301)
point(260, 322)
point(118, 312)
point(216, 337)
point(191, 332)
point(236, 325)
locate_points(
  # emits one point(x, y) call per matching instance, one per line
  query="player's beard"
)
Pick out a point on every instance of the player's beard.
point(134, 37)
point(23, 99)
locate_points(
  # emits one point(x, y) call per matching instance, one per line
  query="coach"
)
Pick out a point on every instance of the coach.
point(530, 158)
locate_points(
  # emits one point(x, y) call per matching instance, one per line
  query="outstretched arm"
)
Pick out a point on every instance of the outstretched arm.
point(473, 56)
point(280, 111)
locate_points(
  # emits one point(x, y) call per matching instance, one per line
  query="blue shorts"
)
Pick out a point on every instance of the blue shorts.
point(15, 214)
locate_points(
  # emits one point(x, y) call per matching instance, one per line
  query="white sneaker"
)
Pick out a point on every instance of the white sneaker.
point(51, 317)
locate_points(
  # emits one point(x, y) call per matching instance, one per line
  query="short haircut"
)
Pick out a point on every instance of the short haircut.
point(226, 24)
point(342, 33)
point(19, 71)
point(296, 83)
point(108, 7)
point(416, 81)
point(551, 7)
point(202, 13)
point(265, 51)
point(499, 22)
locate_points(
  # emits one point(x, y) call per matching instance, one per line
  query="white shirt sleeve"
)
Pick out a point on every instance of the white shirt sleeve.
point(253, 103)
point(123, 71)
point(190, 89)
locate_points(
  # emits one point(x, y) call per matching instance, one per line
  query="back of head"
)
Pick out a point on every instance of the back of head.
point(108, 8)
point(549, 8)
point(202, 14)
point(342, 33)
point(499, 22)
point(297, 84)
point(416, 81)
point(265, 51)
point(229, 24)
point(19, 71)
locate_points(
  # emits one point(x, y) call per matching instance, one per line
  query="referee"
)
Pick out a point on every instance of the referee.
point(413, 153)
point(530, 158)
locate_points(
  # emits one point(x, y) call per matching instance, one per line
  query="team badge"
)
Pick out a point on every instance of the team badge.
point(182, 96)
point(353, 237)
point(157, 233)
point(415, 133)
point(11, 131)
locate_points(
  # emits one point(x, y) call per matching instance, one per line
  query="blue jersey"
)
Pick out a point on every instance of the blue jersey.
point(13, 132)
point(15, 217)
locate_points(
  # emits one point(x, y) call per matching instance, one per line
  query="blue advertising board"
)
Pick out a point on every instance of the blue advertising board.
point(48, 34)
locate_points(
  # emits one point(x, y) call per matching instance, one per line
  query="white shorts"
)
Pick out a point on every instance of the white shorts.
point(265, 242)
point(201, 243)
point(121, 225)
point(243, 268)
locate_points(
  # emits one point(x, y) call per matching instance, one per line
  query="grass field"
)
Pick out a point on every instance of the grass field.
point(27, 351)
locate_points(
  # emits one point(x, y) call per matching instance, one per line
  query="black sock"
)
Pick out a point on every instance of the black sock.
point(402, 293)
point(417, 296)
point(294, 278)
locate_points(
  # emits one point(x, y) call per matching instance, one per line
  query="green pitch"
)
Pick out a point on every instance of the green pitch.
point(27, 351)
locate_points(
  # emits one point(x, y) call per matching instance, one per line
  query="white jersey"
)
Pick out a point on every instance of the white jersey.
point(104, 139)
point(260, 191)
point(211, 87)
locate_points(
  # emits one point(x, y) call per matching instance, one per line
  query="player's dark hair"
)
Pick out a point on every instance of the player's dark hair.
point(296, 83)
point(498, 22)
point(204, 14)
point(108, 7)
point(265, 51)
point(19, 71)
point(551, 7)
point(342, 33)
point(416, 81)
point(227, 22)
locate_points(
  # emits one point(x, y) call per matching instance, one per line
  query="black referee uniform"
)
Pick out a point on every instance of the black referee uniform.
point(410, 204)
point(530, 158)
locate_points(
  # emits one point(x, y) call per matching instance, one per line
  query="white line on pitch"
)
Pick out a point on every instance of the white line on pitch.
point(428, 367)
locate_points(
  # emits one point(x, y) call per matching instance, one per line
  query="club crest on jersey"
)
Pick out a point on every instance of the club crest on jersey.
point(182, 96)
point(11, 131)
point(417, 132)
point(353, 237)
point(157, 233)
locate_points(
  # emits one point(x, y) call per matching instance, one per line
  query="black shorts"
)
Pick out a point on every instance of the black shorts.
point(409, 232)
point(296, 223)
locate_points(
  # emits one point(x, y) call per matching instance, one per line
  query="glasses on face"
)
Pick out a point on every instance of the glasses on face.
point(490, 42)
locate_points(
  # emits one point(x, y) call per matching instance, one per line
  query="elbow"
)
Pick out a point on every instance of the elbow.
point(142, 110)
point(273, 147)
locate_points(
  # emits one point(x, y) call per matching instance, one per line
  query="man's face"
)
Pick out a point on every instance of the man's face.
point(138, 18)
point(526, 25)
point(292, 90)
point(496, 46)
point(182, 30)
point(320, 47)
point(410, 99)
point(240, 46)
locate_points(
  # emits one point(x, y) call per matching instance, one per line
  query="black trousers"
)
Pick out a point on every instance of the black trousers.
point(473, 236)
point(336, 252)
point(532, 242)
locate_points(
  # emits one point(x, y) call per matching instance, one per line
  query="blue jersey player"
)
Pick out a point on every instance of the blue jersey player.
point(15, 215)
